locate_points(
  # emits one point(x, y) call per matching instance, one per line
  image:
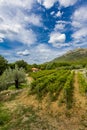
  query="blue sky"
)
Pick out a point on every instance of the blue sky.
point(38, 31)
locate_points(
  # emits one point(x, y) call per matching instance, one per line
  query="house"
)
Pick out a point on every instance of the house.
point(35, 69)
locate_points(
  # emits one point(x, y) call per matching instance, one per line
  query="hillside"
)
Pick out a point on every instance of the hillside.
point(77, 55)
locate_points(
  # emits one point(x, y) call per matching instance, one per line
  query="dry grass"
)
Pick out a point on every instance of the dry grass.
point(27, 113)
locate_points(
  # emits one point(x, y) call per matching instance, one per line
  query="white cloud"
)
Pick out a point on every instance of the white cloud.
point(47, 3)
point(24, 53)
point(50, 3)
point(79, 18)
point(63, 22)
point(59, 14)
point(60, 45)
point(40, 1)
point(79, 23)
point(80, 34)
point(42, 53)
point(56, 37)
point(67, 3)
point(39, 54)
point(34, 19)
point(27, 4)
point(59, 27)
point(1, 37)
point(14, 21)
point(80, 14)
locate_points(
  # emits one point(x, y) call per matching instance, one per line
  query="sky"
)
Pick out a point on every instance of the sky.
point(38, 31)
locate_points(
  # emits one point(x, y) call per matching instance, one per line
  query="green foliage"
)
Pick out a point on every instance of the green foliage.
point(3, 64)
point(68, 90)
point(21, 64)
point(4, 116)
point(82, 83)
point(11, 65)
point(11, 76)
point(77, 56)
point(18, 73)
point(51, 81)
point(42, 73)
point(75, 59)
point(22, 118)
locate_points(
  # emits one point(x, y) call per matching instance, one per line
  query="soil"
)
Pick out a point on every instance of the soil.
point(51, 116)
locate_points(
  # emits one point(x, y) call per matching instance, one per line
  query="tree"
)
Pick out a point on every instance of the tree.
point(21, 64)
point(18, 76)
point(12, 76)
point(3, 64)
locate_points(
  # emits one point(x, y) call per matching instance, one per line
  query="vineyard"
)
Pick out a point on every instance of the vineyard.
point(53, 82)
point(82, 83)
point(54, 100)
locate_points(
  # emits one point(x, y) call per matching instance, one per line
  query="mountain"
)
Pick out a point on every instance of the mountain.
point(77, 55)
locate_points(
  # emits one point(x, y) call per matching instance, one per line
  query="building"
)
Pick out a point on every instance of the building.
point(35, 69)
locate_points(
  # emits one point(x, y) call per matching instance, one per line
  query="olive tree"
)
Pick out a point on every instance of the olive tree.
point(18, 76)
point(12, 76)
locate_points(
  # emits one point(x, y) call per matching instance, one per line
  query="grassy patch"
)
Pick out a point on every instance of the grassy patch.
point(22, 117)
point(21, 86)
point(5, 116)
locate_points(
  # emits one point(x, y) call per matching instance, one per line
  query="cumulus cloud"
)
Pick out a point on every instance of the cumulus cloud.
point(34, 19)
point(42, 53)
point(79, 13)
point(47, 3)
point(27, 4)
point(67, 3)
point(59, 27)
point(24, 53)
point(39, 54)
point(79, 23)
point(56, 37)
point(50, 3)
point(80, 34)
point(14, 21)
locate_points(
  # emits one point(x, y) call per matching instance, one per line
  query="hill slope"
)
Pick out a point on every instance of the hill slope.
point(77, 55)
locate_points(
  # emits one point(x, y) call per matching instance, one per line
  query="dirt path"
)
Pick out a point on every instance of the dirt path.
point(79, 99)
point(29, 80)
